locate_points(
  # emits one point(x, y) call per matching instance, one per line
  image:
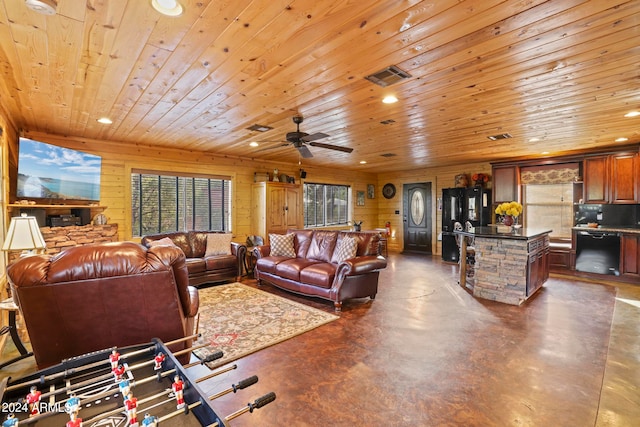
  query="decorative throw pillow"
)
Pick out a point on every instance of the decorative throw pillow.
point(346, 249)
point(218, 244)
point(282, 245)
point(165, 241)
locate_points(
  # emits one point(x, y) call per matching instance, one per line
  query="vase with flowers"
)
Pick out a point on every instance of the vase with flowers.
point(509, 212)
point(480, 179)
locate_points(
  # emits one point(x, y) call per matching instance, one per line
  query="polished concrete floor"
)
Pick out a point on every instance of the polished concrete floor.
point(427, 353)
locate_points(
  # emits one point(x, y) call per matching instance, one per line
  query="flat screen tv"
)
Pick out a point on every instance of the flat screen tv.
point(51, 174)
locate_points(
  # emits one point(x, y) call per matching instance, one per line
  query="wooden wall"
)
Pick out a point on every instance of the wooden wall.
point(118, 159)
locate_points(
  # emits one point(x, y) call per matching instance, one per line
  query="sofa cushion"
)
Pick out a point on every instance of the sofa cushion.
point(220, 262)
point(302, 241)
point(218, 244)
point(346, 248)
point(269, 264)
point(196, 265)
point(320, 274)
point(291, 268)
point(322, 245)
point(282, 245)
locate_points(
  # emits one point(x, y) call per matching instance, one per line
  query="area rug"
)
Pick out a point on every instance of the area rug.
point(240, 320)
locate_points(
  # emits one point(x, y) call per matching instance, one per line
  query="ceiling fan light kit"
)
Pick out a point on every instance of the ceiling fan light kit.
point(45, 7)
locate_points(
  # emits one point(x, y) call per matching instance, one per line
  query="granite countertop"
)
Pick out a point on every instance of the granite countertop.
point(631, 229)
point(516, 234)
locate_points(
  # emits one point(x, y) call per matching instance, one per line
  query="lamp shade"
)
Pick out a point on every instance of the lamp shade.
point(24, 234)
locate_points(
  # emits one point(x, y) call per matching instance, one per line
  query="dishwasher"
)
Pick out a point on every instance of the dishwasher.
point(598, 252)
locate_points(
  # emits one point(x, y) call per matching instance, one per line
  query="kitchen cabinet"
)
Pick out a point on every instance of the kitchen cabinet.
point(505, 183)
point(630, 256)
point(612, 178)
point(277, 206)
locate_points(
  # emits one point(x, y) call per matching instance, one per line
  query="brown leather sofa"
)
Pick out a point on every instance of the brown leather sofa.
point(204, 269)
point(311, 272)
point(95, 297)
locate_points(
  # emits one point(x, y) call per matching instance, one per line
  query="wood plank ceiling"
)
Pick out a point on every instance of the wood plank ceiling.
point(557, 75)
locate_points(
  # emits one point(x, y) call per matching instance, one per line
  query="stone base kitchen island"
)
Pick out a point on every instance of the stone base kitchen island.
point(508, 267)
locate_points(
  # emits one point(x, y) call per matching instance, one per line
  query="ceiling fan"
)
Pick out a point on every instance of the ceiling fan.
point(300, 139)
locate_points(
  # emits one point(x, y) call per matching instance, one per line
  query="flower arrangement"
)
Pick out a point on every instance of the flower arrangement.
point(513, 209)
point(480, 178)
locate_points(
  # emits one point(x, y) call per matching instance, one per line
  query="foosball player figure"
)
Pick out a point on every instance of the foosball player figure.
point(159, 359)
point(74, 421)
point(11, 421)
point(118, 373)
point(125, 388)
point(131, 405)
point(178, 387)
point(114, 359)
point(72, 405)
point(150, 421)
point(33, 399)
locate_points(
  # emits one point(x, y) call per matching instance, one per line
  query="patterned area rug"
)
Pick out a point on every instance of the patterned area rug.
point(240, 320)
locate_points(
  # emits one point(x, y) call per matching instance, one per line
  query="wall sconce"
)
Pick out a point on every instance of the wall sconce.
point(24, 235)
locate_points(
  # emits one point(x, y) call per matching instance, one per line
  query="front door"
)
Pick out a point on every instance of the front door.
point(417, 223)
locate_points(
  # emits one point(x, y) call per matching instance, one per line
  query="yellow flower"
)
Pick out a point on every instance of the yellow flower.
point(513, 209)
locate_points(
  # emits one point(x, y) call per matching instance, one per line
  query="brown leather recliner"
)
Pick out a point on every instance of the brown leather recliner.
point(95, 297)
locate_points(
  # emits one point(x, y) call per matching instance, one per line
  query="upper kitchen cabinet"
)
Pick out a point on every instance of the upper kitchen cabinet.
point(596, 179)
point(612, 178)
point(505, 183)
point(624, 173)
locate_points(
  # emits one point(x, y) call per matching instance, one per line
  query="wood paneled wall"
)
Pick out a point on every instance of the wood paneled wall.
point(118, 159)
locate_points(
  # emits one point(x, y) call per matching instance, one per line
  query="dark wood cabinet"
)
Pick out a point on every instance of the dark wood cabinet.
point(505, 183)
point(612, 178)
point(596, 179)
point(630, 257)
point(624, 178)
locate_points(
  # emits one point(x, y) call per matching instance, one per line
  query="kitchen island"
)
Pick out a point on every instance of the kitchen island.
point(507, 266)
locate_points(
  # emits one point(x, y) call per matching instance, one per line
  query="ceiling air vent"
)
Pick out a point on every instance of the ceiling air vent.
point(388, 121)
point(259, 128)
point(388, 76)
point(388, 155)
point(501, 136)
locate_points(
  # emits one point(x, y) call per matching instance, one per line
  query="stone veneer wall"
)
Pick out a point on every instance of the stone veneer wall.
point(501, 270)
point(59, 238)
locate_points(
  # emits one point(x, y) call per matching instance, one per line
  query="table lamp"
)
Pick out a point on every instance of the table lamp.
point(24, 235)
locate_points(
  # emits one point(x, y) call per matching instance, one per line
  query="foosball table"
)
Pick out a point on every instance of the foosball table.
point(136, 386)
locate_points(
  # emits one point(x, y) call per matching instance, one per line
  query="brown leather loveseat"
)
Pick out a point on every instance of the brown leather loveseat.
point(219, 266)
point(95, 297)
point(318, 267)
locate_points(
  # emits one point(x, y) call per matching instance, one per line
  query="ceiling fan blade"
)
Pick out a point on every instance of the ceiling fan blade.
point(272, 147)
point(314, 136)
point(304, 151)
point(331, 147)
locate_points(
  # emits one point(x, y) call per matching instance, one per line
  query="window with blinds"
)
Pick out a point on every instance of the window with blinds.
point(165, 203)
point(325, 205)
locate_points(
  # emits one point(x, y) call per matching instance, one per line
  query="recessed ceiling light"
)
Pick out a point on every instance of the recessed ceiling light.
point(104, 120)
point(632, 114)
point(622, 139)
point(46, 7)
point(545, 153)
point(253, 144)
point(363, 162)
point(167, 7)
point(389, 99)
point(534, 139)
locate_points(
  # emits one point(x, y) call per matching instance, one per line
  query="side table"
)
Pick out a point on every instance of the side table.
point(249, 261)
point(12, 330)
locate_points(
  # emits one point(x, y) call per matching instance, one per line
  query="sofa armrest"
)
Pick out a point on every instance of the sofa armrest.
point(194, 301)
point(238, 249)
point(361, 265)
point(261, 251)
